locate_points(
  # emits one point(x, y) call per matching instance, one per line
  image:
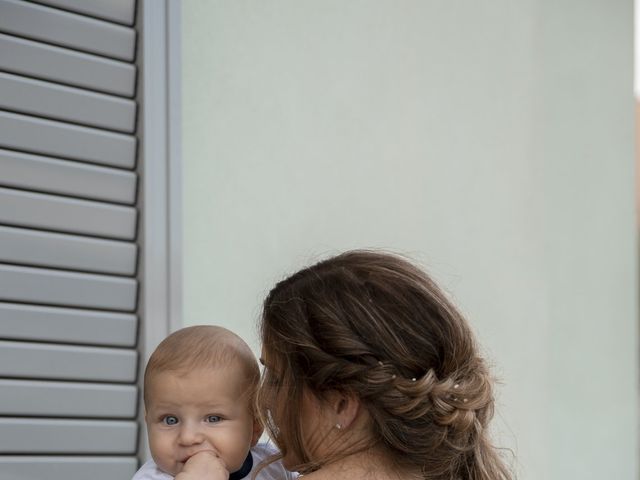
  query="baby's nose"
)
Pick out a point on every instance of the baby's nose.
point(191, 435)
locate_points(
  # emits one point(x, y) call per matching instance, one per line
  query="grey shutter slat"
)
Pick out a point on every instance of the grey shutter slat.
point(41, 210)
point(35, 172)
point(67, 436)
point(59, 102)
point(54, 287)
point(32, 247)
point(66, 467)
point(66, 362)
point(63, 65)
point(48, 137)
point(54, 324)
point(67, 29)
point(121, 11)
point(71, 399)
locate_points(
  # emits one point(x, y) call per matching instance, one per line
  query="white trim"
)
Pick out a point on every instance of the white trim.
point(160, 302)
point(174, 72)
point(161, 215)
point(154, 300)
point(636, 49)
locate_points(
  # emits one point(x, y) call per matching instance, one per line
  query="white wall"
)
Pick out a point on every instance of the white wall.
point(490, 140)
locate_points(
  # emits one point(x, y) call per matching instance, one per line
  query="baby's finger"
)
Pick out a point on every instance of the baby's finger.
point(206, 465)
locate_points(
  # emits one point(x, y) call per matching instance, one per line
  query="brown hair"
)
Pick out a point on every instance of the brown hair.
point(201, 346)
point(374, 325)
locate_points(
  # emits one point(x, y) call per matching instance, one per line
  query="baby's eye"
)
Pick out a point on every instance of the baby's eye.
point(213, 418)
point(170, 420)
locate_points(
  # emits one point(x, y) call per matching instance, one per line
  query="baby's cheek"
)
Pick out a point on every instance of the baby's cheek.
point(235, 451)
point(164, 457)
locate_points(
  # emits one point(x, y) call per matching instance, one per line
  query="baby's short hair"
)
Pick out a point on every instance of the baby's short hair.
point(202, 346)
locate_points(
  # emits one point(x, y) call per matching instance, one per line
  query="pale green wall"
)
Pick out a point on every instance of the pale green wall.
point(491, 140)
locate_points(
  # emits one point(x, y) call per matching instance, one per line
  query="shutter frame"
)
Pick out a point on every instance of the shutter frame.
point(69, 246)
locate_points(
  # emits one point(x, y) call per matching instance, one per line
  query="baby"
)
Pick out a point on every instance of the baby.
point(199, 387)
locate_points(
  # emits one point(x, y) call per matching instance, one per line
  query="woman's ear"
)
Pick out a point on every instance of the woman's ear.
point(345, 408)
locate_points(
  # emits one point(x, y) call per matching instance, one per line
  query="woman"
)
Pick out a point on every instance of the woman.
point(372, 373)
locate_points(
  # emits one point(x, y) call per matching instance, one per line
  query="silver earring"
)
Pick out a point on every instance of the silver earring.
point(338, 426)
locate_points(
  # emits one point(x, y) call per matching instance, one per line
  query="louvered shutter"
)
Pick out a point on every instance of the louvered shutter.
point(68, 252)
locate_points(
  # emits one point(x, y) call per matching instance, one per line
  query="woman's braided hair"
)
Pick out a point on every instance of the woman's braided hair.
point(375, 325)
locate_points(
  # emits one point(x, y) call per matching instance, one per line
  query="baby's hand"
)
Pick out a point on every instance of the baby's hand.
point(205, 465)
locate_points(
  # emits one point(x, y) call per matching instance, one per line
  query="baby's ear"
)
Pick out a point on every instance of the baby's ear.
point(257, 432)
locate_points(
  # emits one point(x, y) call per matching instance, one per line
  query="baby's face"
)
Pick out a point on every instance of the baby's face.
point(203, 409)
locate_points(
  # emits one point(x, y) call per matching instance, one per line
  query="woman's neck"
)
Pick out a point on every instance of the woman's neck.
point(367, 465)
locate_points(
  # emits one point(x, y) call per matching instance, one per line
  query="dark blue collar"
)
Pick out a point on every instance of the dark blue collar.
point(245, 469)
